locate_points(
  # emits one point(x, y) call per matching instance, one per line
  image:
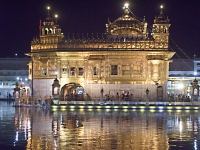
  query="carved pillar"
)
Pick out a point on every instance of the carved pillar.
point(58, 68)
point(119, 70)
point(131, 70)
point(155, 70)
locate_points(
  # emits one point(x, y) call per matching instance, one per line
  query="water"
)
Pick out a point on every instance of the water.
point(43, 129)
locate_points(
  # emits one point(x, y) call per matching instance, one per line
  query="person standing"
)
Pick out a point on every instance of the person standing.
point(117, 97)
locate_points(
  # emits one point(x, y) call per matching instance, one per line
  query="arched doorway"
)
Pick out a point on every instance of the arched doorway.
point(72, 92)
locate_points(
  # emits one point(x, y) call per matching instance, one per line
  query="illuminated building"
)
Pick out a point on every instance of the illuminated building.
point(128, 59)
point(181, 74)
point(12, 70)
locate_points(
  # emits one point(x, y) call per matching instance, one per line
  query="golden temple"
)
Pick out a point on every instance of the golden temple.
point(127, 59)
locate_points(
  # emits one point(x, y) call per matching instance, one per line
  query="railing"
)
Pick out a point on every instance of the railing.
point(139, 101)
point(196, 103)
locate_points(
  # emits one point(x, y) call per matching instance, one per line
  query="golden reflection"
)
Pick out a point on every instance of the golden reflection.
point(180, 126)
point(105, 129)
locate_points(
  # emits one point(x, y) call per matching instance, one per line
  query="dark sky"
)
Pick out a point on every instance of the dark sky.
point(20, 20)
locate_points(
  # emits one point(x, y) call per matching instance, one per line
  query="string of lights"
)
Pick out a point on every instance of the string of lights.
point(182, 59)
point(180, 49)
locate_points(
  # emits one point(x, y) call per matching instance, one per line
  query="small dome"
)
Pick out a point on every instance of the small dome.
point(161, 19)
point(126, 26)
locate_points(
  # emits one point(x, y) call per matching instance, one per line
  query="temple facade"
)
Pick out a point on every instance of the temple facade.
point(127, 59)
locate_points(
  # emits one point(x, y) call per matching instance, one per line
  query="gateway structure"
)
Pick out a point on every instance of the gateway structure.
point(126, 60)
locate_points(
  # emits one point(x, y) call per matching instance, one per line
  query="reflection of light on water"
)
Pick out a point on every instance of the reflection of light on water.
point(125, 110)
point(111, 128)
point(180, 126)
point(152, 110)
point(169, 110)
point(17, 136)
point(55, 143)
point(195, 144)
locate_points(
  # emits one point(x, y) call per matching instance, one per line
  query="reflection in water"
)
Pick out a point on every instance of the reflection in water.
point(106, 129)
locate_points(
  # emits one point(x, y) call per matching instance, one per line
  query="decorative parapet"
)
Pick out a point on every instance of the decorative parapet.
point(95, 45)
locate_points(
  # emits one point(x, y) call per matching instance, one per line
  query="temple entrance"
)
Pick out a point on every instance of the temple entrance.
point(72, 92)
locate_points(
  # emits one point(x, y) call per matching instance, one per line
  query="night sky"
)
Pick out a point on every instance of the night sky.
point(20, 20)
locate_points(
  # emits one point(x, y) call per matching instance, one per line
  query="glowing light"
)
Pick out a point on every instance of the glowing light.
point(108, 107)
point(152, 110)
point(178, 108)
point(125, 107)
point(161, 6)
point(56, 16)
point(48, 7)
point(63, 107)
point(180, 126)
point(81, 107)
point(125, 110)
point(142, 107)
point(126, 5)
point(152, 107)
point(181, 86)
point(72, 106)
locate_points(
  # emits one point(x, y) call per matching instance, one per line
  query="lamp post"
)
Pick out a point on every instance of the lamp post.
point(147, 96)
point(17, 94)
point(101, 96)
point(56, 91)
point(157, 91)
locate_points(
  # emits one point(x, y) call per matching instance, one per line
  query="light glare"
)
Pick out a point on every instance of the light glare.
point(126, 5)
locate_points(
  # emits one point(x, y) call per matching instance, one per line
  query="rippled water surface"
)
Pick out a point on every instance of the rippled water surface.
point(44, 129)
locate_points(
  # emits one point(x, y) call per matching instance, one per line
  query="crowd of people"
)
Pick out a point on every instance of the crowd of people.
point(122, 97)
point(125, 97)
point(179, 97)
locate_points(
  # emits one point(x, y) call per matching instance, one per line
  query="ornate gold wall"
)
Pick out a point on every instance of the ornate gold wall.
point(126, 58)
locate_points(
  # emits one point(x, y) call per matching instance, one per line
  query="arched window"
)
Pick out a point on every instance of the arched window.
point(46, 31)
point(50, 31)
point(95, 71)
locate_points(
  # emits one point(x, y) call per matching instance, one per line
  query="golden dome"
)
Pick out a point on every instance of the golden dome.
point(126, 26)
